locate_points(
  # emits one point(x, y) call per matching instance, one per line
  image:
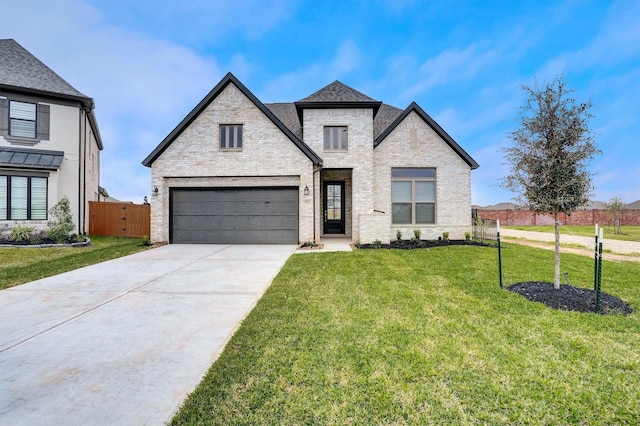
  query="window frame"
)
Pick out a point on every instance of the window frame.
point(7, 187)
point(230, 134)
point(414, 203)
point(23, 120)
point(340, 144)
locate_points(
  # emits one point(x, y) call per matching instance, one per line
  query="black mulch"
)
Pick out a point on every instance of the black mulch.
point(569, 298)
point(415, 244)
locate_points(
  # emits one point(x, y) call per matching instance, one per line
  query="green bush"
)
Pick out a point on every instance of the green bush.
point(417, 233)
point(21, 233)
point(467, 235)
point(376, 244)
point(445, 236)
point(398, 235)
point(61, 226)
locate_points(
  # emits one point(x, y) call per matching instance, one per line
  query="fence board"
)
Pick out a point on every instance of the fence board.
point(119, 219)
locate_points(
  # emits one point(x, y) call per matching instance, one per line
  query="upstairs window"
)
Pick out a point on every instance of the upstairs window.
point(335, 138)
point(231, 136)
point(22, 119)
point(413, 196)
point(23, 198)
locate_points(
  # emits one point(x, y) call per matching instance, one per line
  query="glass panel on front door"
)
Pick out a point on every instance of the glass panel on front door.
point(333, 208)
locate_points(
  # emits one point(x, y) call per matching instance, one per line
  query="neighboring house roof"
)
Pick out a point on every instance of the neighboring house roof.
point(414, 107)
point(21, 71)
point(336, 95)
point(231, 79)
point(30, 158)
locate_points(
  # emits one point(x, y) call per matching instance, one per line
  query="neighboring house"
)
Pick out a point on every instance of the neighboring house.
point(49, 143)
point(337, 162)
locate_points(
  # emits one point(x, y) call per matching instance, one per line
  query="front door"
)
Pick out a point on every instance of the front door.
point(334, 207)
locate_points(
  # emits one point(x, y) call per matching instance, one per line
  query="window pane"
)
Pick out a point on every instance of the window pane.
point(23, 110)
point(413, 173)
point(38, 198)
point(231, 136)
point(425, 190)
point(22, 128)
point(344, 138)
point(18, 197)
point(3, 197)
point(327, 137)
point(223, 136)
point(335, 138)
point(400, 191)
point(239, 140)
point(401, 213)
point(425, 213)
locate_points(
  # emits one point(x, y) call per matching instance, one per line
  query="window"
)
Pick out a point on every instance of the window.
point(231, 136)
point(22, 119)
point(413, 196)
point(23, 198)
point(335, 138)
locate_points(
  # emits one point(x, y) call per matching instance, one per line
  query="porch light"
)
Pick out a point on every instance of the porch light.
point(306, 190)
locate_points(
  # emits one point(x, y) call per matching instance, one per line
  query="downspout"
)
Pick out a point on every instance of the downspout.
point(84, 178)
point(79, 166)
point(314, 203)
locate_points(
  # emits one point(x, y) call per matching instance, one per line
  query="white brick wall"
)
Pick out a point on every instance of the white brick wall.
point(268, 158)
point(453, 177)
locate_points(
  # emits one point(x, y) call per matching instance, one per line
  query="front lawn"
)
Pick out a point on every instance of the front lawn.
point(629, 232)
point(20, 265)
point(426, 337)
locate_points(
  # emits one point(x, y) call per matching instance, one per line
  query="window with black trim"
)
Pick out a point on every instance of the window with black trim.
point(413, 196)
point(23, 197)
point(231, 136)
point(335, 138)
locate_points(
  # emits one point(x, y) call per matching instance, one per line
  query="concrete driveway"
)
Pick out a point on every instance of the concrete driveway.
point(124, 341)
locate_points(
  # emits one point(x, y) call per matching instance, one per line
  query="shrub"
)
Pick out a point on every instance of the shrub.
point(445, 236)
point(416, 233)
point(467, 235)
point(398, 235)
point(21, 233)
point(61, 226)
point(376, 244)
point(146, 241)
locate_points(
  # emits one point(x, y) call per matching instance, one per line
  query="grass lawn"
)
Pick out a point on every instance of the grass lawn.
point(629, 233)
point(425, 337)
point(21, 265)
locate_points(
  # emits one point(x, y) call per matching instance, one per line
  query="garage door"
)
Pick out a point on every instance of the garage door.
point(234, 215)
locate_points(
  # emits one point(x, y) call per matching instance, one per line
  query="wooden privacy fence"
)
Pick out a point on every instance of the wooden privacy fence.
point(119, 219)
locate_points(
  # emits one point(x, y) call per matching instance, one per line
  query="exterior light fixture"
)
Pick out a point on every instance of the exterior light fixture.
point(155, 190)
point(306, 190)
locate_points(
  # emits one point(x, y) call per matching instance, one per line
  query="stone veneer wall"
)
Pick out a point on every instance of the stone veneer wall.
point(414, 144)
point(194, 159)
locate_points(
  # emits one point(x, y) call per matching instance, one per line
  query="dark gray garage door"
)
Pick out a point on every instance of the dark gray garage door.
point(234, 215)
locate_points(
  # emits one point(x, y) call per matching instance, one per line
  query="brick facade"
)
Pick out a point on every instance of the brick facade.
point(270, 157)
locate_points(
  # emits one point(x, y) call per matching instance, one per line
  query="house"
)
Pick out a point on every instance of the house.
point(336, 163)
point(49, 143)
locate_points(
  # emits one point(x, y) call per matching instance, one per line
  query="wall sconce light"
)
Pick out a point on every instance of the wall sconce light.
point(155, 190)
point(306, 190)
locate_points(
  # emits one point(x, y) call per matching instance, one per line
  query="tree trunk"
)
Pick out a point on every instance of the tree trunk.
point(556, 275)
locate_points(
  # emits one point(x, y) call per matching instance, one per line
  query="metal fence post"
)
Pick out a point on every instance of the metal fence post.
point(499, 252)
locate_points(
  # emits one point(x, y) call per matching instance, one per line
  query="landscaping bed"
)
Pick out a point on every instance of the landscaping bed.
point(416, 244)
point(569, 298)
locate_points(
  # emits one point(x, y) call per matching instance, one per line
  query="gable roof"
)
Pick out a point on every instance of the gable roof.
point(230, 79)
point(414, 107)
point(337, 95)
point(21, 71)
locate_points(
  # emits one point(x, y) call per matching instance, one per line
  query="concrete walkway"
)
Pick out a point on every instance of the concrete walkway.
point(124, 341)
point(622, 247)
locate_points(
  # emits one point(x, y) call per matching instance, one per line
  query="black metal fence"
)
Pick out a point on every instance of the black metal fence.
point(484, 229)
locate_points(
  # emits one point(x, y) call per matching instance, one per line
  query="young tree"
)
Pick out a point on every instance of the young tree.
point(549, 156)
point(614, 208)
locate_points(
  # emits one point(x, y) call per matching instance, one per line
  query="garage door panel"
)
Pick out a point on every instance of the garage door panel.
point(239, 215)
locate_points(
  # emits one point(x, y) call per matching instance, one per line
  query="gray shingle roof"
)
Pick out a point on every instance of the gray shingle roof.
point(30, 158)
point(385, 116)
point(286, 112)
point(337, 92)
point(20, 69)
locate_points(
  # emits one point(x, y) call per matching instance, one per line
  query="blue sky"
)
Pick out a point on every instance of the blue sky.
point(147, 63)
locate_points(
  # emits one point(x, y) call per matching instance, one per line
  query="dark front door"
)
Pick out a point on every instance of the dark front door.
point(334, 207)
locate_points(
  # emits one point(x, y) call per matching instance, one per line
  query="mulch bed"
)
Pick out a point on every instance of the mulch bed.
point(569, 298)
point(417, 244)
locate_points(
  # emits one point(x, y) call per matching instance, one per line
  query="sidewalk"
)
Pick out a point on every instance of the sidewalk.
point(621, 247)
